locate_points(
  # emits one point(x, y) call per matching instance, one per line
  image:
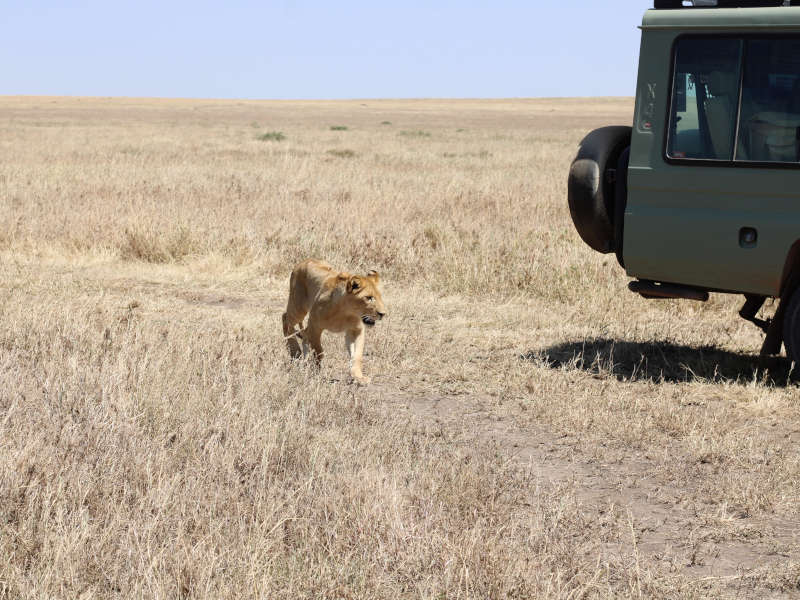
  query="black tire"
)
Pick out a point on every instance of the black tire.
point(791, 327)
point(590, 193)
point(620, 202)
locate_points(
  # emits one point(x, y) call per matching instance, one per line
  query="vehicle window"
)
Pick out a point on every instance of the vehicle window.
point(705, 97)
point(769, 126)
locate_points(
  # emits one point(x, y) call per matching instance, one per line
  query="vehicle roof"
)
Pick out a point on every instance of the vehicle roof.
point(777, 18)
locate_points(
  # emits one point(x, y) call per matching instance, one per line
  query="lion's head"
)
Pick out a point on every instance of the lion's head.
point(365, 297)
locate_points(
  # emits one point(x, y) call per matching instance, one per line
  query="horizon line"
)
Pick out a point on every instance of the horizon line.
point(353, 99)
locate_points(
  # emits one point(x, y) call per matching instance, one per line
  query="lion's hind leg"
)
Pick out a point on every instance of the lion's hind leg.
point(296, 310)
point(291, 334)
point(312, 342)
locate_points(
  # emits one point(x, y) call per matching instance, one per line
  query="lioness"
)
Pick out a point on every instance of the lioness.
point(338, 302)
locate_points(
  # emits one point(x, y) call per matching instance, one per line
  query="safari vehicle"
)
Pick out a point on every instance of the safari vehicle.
point(702, 193)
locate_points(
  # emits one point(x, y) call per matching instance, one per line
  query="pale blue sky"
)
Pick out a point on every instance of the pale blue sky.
point(315, 49)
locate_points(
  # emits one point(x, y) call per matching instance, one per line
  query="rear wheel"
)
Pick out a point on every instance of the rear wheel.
point(791, 327)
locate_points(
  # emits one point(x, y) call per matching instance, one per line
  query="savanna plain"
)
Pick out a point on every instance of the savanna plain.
point(533, 429)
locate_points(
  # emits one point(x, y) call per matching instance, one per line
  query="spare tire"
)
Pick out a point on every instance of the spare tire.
point(590, 191)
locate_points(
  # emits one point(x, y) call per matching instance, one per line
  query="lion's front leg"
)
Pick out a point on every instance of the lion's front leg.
point(354, 339)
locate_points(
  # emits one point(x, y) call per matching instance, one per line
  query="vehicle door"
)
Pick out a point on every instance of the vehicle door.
point(716, 203)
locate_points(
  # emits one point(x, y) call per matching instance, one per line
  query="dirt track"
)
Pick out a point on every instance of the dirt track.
point(629, 484)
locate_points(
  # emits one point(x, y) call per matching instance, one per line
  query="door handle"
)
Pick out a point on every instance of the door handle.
point(748, 237)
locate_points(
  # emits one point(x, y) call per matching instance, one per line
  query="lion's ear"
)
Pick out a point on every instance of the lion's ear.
point(354, 284)
point(373, 275)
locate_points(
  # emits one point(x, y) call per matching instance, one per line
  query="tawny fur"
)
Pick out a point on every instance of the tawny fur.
point(333, 300)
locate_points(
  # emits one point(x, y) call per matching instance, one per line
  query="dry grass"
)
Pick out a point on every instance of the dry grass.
point(533, 430)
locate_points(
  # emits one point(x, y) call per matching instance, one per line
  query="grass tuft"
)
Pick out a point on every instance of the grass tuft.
point(272, 136)
point(418, 133)
point(344, 153)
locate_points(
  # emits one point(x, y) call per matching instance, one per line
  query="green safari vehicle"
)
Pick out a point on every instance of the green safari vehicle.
point(702, 193)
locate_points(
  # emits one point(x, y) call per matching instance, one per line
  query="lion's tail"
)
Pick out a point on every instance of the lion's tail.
point(296, 334)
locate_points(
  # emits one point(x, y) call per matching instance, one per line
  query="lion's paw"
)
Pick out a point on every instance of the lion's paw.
point(361, 380)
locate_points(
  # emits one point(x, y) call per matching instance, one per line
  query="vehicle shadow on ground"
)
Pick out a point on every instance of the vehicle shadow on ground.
point(664, 361)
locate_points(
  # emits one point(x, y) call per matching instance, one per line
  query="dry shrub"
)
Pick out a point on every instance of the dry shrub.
point(152, 246)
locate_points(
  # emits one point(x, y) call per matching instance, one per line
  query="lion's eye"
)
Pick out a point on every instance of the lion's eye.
point(370, 298)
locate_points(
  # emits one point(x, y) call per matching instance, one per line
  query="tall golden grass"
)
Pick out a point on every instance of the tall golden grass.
point(534, 430)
